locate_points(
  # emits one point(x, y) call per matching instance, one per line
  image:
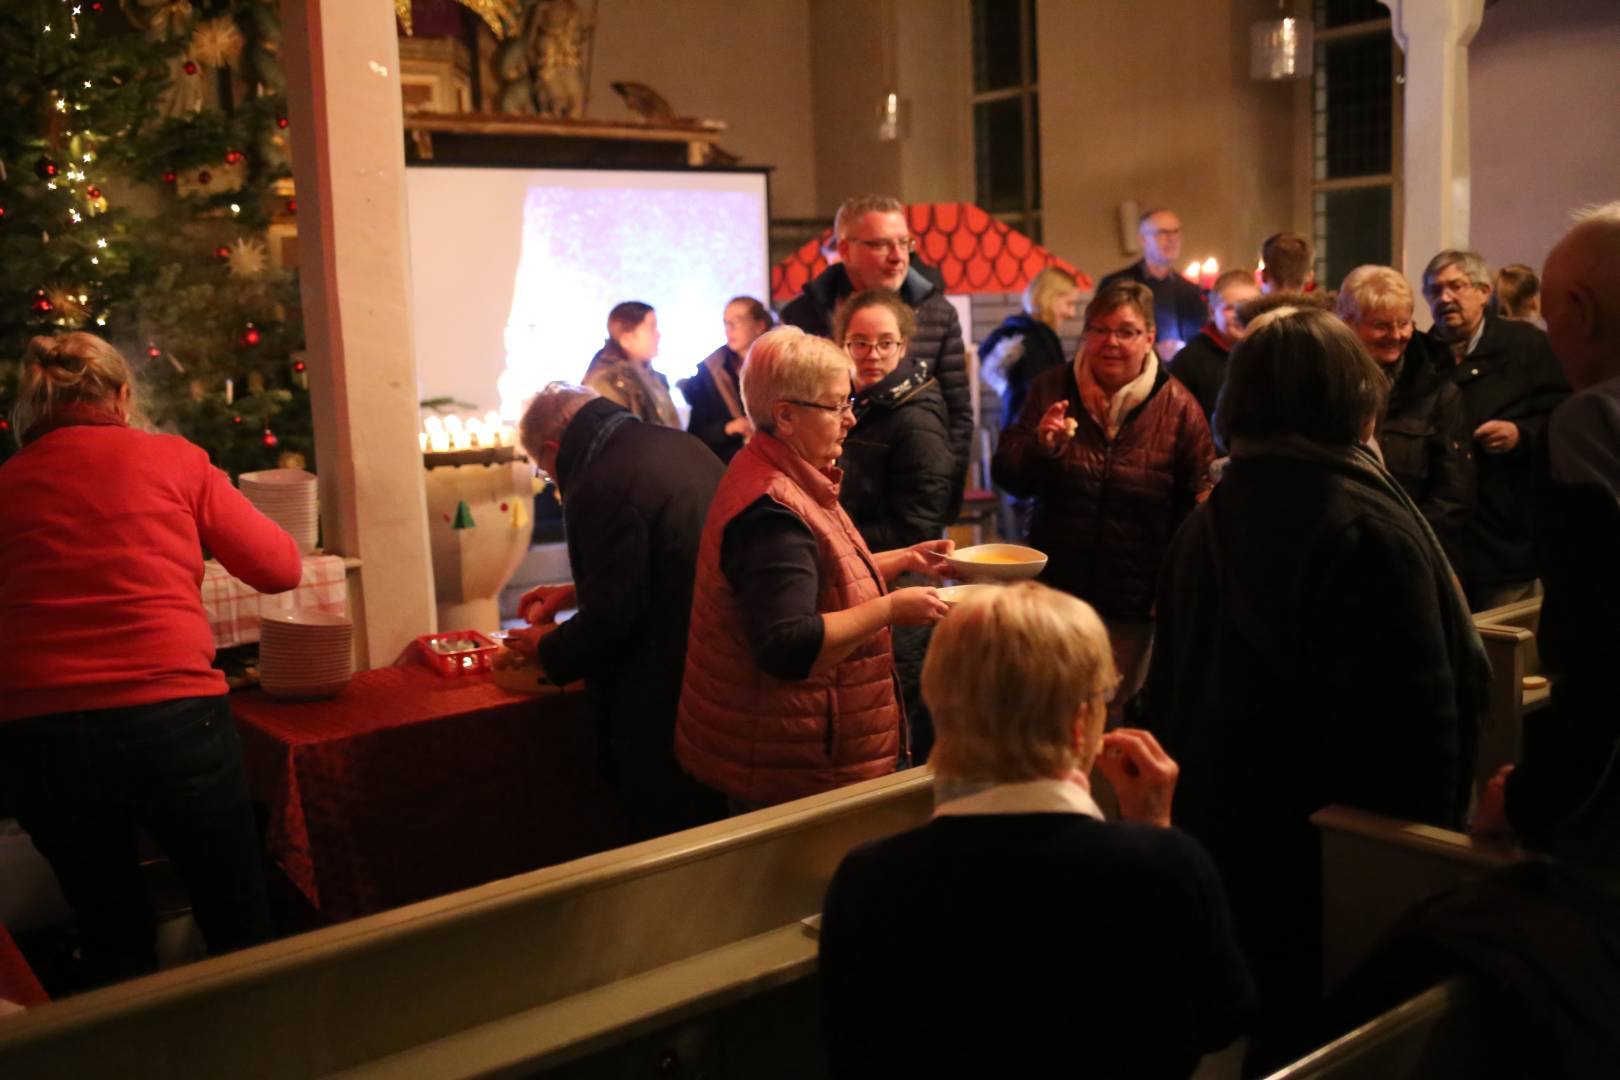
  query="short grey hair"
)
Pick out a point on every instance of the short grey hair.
point(550, 412)
point(787, 364)
point(1371, 288)
point(853, 208)
point(1471, 263)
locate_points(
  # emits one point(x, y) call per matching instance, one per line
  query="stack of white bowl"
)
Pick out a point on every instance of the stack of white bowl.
point(287, 497)
point(304, 653)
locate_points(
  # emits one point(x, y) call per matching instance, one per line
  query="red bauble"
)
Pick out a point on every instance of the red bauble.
point(270, 437)
point(2, 213)
point(233, 156)
point(42, 305)
point(222, 253)
point(191, 67)
point(93, 192)
point(45, 168)
point(169, 177)
point(299, 365)
point(236, 419)
point(5, 425)
point(251, 335)
point(204, 176)
point(153, 351)
point(281, 121)
point(96, 6)
point(292, 206)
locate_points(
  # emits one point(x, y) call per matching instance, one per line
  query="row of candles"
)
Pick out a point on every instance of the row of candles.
point(442, 434)
point(1203, 274)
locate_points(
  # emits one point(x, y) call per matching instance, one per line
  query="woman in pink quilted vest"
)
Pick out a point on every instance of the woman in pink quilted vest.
point(789, 687)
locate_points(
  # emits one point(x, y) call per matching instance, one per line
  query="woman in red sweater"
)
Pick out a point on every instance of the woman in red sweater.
point(110, 713)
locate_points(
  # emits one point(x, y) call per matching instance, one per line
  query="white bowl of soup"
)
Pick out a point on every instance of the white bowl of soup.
point(996, 562)
point(956, 594)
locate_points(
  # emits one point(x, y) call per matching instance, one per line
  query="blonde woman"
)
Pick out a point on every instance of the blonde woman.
point(1026, 344)
point(1044, 941)
point(789, 686)
point(111, 715)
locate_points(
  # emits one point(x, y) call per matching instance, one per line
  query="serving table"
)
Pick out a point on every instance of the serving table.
point(410, 785)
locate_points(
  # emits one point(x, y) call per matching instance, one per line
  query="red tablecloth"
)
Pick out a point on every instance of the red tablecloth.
point(410, 785)
point(17, 981)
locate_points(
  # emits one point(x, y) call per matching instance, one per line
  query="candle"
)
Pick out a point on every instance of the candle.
point(1209, 272)
point(475, 432)
point(452, 424)
point(440, 441)
point(422, 438)
point(1191, 273)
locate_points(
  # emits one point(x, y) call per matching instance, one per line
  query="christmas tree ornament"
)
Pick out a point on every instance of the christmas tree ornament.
point(190, 67)
point(236, 419)
point(269, 438)
point(222, 252)
point(153, 351)
point(68, 301)
point(45, 168)
point(233, 156)
point(248, 258)
point(2, 213)
point(204, 176)
point(217, 42)
point(170, 176)
point(42, 303)
point(251, 335)
point(299, 365)
point(464, 517)
point(281, 121)
point(292, 206)
point(93, 191)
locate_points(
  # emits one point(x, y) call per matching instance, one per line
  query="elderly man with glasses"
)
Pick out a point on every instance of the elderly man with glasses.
point(1179, 303)
point(1510, 384)
point(874, 249)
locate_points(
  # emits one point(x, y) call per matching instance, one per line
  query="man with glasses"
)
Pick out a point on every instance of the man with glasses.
point(875, 246)
point(1510, 384)
point(1178, 303)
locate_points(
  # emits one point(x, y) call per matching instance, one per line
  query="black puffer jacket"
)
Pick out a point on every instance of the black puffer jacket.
point(936, 346)
point(897, 461)
point(1105, 511)
point(1427, 443)
point(716, 401)
point(1038, 349)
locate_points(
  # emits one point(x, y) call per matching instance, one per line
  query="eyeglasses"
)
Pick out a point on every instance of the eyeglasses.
point(1164, 234)
point(1436, 289)
point(881, 347)
point(883, 247)
point(843, 408)
point(1384, 326)
point(1123, 334)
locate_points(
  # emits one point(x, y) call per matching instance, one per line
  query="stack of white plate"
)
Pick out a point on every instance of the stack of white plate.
point(287, 497)
point(304, 653)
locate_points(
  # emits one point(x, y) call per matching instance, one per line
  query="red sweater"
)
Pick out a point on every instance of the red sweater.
point(101, 566)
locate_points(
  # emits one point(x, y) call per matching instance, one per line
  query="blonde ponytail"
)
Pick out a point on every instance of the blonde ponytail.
point(67, 369)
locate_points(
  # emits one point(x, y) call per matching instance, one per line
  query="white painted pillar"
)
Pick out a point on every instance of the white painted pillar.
point(343, 98)
point(1434, 35)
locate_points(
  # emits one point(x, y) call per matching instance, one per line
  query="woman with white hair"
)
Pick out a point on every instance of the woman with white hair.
point(789, 687)
point(1043, 941)
point(1423, 434)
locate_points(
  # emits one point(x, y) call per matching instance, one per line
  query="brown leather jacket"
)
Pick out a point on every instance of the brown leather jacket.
point(1105, 511)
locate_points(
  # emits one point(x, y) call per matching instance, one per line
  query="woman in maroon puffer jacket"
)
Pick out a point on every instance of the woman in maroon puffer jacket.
point(1115, 453)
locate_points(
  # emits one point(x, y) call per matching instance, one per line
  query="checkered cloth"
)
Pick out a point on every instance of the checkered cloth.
point(233, 608)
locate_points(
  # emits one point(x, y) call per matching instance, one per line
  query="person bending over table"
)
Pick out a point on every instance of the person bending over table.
point(110, 713)
point(1017, 933)
point(634, 497)
point(790, 685)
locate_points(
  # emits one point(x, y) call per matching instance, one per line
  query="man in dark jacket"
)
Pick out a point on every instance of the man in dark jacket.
point(875, 244)
point(1178, 304)
point(1201, 364)
point(1510, 385)
point(634, 499)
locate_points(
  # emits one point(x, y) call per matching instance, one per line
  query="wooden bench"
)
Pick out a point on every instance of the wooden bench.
point(1509, 634)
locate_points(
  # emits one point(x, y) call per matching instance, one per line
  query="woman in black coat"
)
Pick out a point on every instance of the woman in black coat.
point(714, 392)
point(1312, 648)
point(898, 467)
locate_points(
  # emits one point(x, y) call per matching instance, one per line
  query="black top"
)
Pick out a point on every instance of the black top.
point(1041, 350)
point(773, 564)
point(1179, 310)
point(710, 415)
point(635, 496)
point(898, 467)
point(1427, 442)
point(1200, 366)
point(1511, 375)
point(1028, 945)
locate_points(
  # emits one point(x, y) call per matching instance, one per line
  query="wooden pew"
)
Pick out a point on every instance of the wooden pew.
point(1375, 868)
point(1444, 1033)
point(695, 936)
point(1509, 634)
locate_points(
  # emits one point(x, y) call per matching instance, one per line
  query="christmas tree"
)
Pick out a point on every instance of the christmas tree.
point(144, 176)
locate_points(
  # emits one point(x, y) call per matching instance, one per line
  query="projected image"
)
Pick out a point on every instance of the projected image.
point(515, 270)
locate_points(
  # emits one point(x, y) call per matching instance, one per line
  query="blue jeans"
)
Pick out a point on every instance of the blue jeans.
point(82, 781)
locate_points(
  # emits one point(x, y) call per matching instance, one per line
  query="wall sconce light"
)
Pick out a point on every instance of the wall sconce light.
point(894, 118)
point(1281, 48)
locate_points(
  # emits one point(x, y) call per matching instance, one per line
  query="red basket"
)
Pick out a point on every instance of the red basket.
point(457, 652)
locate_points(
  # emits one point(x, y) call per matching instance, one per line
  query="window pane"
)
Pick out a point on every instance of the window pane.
point(1035, 155)
point(995, 45)
point(998, 154)
point(1347, 12)
point(1355, 107)
point(1352, 228)
point(1030, 34)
